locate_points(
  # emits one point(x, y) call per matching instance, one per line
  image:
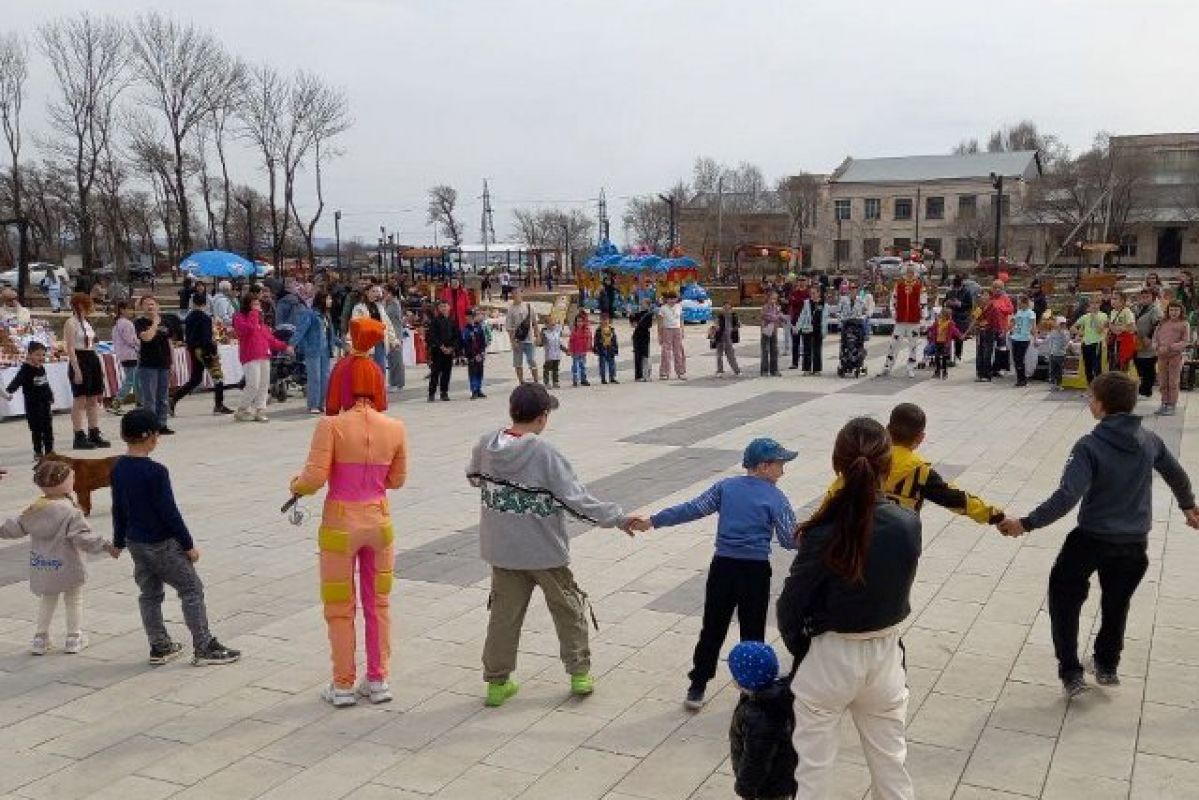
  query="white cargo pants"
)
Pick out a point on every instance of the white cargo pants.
point(906, 334)
point(866, 677)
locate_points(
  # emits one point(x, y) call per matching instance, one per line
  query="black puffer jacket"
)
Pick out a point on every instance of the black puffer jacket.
point(815, 600)
point(764, 758)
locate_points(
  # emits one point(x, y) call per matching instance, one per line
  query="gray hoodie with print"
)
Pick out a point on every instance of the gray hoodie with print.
point(528, 489)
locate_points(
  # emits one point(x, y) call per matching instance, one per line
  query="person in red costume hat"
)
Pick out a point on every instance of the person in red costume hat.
point(361, 454)
point(908, 301)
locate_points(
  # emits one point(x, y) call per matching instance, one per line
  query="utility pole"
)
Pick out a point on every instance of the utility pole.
point(487, 225)
point(337, 238)
point(247, 203)
point(719, 221)
point(603, 217)
point(997, 182)
point(22, 224)
point(670, 202)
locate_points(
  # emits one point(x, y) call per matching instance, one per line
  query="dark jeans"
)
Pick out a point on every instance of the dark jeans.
point(798, 348)
point(165, 563)
point(958, 345)
point(40, 418)
point(440, 367)
point(153, 386)
point(813, 358)
point(770, 355)
point(733, 584)
point(1121, 567)
point(199, 363)
point(1056, 367)
point(607, 368)
point(941, 359)
point(640, 359)
point(474, 373)
point(1091, 361)
point(1019, 351)
point(985, 353)
point(1147, 371)
point(550, 372)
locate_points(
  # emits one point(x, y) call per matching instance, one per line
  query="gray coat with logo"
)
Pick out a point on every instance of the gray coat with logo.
point(57, 533)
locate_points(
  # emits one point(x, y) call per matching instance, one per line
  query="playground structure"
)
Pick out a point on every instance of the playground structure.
point(621, 283)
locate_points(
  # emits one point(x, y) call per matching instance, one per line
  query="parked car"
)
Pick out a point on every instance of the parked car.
point(893, 266)
point(37, 271)
point(988, 266)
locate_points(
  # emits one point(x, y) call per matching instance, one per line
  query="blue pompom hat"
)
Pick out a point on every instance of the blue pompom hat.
point(754, 665)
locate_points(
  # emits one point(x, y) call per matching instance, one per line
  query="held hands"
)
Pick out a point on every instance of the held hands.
point(112, 550)
point(637, 525)
point(1192, 517)
point(1011, 527)
point(193, 555)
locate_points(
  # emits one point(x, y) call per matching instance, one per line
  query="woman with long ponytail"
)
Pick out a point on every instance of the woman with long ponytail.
point(840, 612)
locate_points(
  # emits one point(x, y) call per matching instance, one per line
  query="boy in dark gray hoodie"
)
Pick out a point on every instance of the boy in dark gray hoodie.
point(1111, 470)
point(528, 490)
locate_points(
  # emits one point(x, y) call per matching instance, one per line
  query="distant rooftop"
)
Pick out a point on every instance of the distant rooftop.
point(1018, 164)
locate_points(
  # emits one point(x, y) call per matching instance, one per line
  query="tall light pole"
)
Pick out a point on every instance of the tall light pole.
point(337, 238)
point(670, 202)
point(997, 182)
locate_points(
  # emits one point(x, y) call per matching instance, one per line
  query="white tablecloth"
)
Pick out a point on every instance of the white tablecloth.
point(59, 373)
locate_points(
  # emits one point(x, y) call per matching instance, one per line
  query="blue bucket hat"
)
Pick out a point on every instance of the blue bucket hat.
point(760, 451)
point(754, 665)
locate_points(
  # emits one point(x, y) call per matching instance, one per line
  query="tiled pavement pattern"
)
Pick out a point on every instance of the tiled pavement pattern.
point(987, 722)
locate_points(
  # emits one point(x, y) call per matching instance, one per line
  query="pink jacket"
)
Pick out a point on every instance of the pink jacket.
point(1171, 337)
point(254, 339)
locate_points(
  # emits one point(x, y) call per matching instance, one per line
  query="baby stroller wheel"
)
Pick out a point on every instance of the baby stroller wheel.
point(279, 391)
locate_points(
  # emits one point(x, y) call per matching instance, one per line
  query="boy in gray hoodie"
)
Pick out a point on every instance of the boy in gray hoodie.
point(528, 490)
point(1111, 471)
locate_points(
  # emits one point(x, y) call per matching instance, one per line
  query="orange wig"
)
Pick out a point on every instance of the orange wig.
point(357, 375)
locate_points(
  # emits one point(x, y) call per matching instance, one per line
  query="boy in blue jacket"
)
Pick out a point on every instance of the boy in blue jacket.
point(752, 510)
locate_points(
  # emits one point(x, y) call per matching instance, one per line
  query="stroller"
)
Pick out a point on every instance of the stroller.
point(287, 371)
point(853, 349)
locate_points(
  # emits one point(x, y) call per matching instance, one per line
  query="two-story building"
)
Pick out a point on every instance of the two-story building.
point(940, 203)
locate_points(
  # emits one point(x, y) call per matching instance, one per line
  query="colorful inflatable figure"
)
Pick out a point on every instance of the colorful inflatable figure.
point(697, 306)
point(361, 454)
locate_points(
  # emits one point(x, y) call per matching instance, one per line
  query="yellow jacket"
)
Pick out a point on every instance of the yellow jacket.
point(913, 480)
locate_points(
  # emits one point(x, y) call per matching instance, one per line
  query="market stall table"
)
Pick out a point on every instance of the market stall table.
point(59, 373)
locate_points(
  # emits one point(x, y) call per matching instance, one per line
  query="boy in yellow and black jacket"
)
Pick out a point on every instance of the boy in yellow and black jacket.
point(913, 480)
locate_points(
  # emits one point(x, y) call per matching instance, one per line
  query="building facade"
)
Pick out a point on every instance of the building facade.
point(1162, 228)
point(939, 204)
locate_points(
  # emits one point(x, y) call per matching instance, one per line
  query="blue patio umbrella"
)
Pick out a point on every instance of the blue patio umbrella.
point(218, 264)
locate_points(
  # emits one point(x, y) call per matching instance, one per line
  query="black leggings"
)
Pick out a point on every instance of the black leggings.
point(200, 362)
point(1147, 371)
point(40, 418)
point(734, 584)
point(1091, 360)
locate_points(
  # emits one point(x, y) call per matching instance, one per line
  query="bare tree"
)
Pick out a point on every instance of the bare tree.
point(327, 118)
point(87, 55)
point(152, 158)
point(443, 200)
point(181, 65)
point(527, 227)
point(232, 87)
point(262, 112)
point(647, 222)
point(14, 70)
point(799, 196)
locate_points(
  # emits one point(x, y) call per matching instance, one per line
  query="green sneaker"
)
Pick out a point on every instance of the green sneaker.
point(582, 684)
point(498, 693)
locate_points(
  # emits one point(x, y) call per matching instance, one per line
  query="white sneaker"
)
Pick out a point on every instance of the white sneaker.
point(338, 697)
point(75, 643)
point(260, 416)
point(911, 372)
point(40, 644)
point(377, 691)
point(243, 416)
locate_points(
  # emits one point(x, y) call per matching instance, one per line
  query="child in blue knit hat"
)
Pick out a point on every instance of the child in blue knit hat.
point(752, 512)
point(764, 759)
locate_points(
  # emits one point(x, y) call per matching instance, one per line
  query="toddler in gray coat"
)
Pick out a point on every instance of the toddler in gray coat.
point(57, 534)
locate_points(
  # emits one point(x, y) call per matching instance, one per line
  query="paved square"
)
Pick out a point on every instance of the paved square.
point(987, 721)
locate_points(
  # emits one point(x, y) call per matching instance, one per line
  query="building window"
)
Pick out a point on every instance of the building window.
point(1128, 246)
point(874, 208)
point(963, 250)
point(934, 245)
point(934, 208)
point(841, 207)
point(903, 208)
point(870, 247)
point(841, 250)
point(1005, 206)
point(902, 246)
point(967, 205)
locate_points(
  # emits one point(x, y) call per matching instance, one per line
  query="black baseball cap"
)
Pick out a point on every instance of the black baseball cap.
point(529, 401)
point(138, 424)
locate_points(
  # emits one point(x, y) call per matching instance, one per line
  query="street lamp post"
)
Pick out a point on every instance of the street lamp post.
point(997, 182)
point(337, 239)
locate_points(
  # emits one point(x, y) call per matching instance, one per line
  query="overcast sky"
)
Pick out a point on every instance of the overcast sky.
point(552, 100)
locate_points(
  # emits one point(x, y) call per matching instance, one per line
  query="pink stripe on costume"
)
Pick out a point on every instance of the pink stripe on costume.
point(358, 483)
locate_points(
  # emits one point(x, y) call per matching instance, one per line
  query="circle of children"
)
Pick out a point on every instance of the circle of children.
point(840, 612)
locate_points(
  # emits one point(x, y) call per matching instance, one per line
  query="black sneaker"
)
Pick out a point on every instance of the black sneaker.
point(695, 698)
point(82, 442)
point(94, 436)
point(1103, 675)
point(1074, 686)
point(165, 431)
point(215, 653)
point(161, 654)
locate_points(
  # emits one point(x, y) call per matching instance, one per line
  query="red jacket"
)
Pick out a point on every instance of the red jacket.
point(796, 301)
point(907, 296)
point(580, 340)
point(459, 300)
point(951, 333)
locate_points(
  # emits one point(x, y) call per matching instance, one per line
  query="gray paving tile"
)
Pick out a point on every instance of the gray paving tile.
point(710, 423)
